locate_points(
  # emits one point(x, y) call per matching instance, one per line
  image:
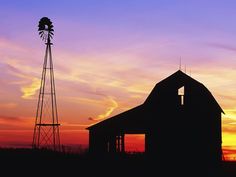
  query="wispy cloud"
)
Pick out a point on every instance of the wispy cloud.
point(15, 123)
point(108, 111)
point(103, 101)
point(7, 45)
point(229, 152)
point(30, 90)
point(7, 105)
point(223, 46)
point(228, 123)
point(74, 126)
point(28, 83)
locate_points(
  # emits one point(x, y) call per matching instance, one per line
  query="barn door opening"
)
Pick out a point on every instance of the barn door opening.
point(134, 143)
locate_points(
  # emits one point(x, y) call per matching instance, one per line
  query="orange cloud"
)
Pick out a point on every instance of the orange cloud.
point(229, 153)
point(8, 105)
point(74, 126)
point(28, 83)
point(16, 123)
point(108, 111)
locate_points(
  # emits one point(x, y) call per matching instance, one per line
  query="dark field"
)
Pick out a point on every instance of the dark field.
point(24, 162)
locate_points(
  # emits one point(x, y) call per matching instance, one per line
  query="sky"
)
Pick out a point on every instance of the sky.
point(108, 55)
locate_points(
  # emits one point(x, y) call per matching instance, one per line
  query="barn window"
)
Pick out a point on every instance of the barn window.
point(134, 143)
point(181, 95)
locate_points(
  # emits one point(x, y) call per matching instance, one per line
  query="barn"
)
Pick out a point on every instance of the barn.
point(180, 120)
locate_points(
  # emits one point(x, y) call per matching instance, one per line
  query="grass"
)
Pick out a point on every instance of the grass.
point(45, 162)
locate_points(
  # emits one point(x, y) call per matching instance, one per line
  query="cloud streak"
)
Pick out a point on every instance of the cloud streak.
point(8, 105)
point(108, 111)
point(223, 46)
point(30, 90)
point(28, 83)
point(15, 123)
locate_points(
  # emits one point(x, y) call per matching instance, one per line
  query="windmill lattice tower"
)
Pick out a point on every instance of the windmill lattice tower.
point(46, 130)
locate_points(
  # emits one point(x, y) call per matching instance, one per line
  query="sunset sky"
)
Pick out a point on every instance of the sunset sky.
point(108, 55)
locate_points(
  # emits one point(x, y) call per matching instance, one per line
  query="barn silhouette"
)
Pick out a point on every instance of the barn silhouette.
point(180, 118)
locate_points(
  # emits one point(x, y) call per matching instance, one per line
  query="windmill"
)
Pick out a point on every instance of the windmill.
point(46, 129)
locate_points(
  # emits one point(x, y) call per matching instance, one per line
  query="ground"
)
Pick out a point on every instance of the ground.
point(42, 162)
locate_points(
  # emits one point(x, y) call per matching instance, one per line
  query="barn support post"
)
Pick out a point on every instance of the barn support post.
point(120, 143)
